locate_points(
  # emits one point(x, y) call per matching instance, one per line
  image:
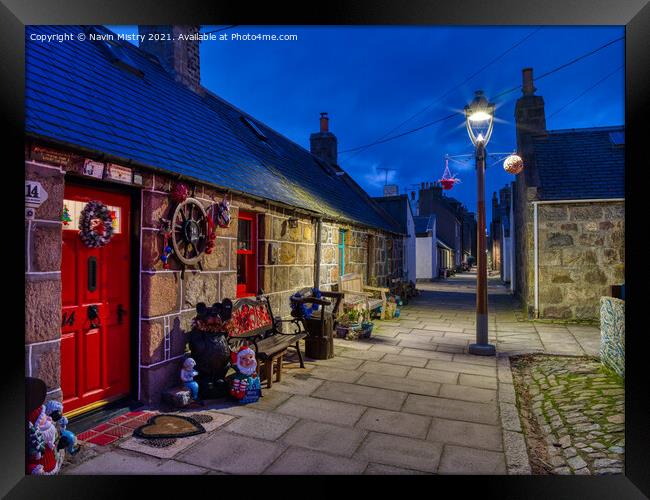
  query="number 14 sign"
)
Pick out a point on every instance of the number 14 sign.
point(35, 195)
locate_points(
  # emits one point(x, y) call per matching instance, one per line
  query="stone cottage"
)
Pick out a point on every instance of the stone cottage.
point(569, 211)
point(133, 129)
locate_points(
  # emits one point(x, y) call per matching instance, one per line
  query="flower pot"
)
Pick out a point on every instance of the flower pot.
point(342, 331)
point(366, 329)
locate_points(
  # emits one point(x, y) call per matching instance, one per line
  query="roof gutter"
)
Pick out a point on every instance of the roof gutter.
point(101, 156)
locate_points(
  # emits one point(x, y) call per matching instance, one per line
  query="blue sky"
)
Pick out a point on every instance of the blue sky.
point(369, 79)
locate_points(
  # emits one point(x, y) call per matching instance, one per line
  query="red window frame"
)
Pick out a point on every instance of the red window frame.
point(249, 288)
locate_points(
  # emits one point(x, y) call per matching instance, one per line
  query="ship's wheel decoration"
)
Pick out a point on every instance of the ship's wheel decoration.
point(189, 232)
point(448, 180)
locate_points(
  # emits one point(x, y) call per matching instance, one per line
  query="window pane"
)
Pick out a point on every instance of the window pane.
point(241, 269)
point(244, 235)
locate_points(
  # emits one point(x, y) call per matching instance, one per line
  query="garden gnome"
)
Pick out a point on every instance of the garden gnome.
point(245, 384)
point(68, 440)
point(187, 376)
point(42, 456)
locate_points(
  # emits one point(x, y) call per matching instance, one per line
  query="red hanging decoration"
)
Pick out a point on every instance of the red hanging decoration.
point(180, 193)
point(448, 180)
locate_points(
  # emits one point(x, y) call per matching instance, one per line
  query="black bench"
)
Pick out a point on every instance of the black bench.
point(252, 322)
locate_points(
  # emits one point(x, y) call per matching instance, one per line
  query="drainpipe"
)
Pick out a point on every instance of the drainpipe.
point(319, 224)
point(536, 263)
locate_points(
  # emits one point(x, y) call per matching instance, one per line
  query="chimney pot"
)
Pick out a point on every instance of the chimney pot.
point(324, 122)
point(527, 81)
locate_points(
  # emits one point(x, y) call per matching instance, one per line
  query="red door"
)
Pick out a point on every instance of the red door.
point(95, 353)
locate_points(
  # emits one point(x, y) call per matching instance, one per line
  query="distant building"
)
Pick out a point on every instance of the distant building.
point(569, 213)
point(427, 267)
point(399, 208)
point(500, 239)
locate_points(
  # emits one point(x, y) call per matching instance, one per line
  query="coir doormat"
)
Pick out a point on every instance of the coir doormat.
point(169, 426)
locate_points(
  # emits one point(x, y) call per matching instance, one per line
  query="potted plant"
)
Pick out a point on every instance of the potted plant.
point(348, 322)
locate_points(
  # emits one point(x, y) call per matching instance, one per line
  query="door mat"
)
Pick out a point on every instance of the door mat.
point(169, 426)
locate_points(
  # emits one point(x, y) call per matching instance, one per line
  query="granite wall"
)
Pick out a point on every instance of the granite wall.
point(581, 254)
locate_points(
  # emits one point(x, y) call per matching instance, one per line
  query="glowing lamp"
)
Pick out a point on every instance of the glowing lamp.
point(479, 118)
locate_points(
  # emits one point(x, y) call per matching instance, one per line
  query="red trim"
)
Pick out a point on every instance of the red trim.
point(249, 288)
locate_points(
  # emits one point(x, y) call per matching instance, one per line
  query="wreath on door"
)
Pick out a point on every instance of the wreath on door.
point(95, 224)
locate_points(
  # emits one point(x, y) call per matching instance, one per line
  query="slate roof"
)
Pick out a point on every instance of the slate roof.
point(578, 164)
point(423, 224)
point(397, 207)
point(76, 97)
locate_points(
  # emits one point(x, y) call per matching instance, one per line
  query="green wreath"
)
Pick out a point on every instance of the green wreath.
point(95, 224)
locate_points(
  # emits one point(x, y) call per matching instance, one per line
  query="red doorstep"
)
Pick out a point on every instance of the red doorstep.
point(102, 439)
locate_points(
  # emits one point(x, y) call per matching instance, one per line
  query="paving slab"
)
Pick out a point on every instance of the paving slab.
point(370, 354)
point(394, 422)
point(261, 424)
point(322, 410)
point(360, 394)
point(409, 385)
point(124, 463)
point(405, 360)
point(471, 369)
point(303, 384)
point(465, 434)
point(384, 368)
point(477, 381)
point(328, 438)
point(401, 452)
point(485, 413)
point(336, 374)
point(233, 453)
point(308, 462)
point(463, 460)
point(389, 470)
point(467, 393)
point(428, 353)
point(440, 376)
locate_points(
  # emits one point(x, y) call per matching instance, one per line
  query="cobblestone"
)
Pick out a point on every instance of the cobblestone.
point(581, 417)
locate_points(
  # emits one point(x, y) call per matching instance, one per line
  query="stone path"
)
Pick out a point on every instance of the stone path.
point(578, 409)
point(409, 400)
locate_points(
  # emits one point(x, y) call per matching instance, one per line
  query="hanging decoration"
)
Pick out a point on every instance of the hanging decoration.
point(513, 164)
point(212, 234)
point(65, 216)
point(223, 213)
point(95, 224)
point(166, 231)
point(180, 193)
point(448, 180)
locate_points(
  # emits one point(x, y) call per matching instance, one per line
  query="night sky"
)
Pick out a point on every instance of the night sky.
point(370, 79)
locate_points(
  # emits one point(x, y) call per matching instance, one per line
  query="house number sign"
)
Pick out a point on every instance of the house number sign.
point(35, 195)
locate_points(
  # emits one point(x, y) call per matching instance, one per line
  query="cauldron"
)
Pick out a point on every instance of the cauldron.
point(210, 350)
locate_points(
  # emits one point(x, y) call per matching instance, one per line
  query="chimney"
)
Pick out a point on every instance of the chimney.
point(413, 195)
point(323, 144)
point(530, 119)
point(180, 57)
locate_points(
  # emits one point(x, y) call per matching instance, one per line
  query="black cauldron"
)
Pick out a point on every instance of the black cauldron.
point(210, 350)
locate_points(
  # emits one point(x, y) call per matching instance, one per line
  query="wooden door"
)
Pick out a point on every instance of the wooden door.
point(95, 353)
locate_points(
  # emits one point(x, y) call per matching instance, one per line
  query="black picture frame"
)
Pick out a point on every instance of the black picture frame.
point(634, 14)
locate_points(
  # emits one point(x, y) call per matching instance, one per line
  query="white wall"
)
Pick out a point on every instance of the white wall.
point(425, 258)
point(410, 248)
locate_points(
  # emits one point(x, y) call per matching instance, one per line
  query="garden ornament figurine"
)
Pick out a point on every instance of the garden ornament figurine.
point(68, 440)
point(245, 384)
point(187, 376)
point(43, 457)
point(209, 347)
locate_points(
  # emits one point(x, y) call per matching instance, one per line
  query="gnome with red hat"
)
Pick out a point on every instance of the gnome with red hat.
point(245, 384)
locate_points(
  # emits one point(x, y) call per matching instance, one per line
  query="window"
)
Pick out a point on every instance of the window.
point(72, 211)
point(258, 132)
point(246, 255)
point(341, 252)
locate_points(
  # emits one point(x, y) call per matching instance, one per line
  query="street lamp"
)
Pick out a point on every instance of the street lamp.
point(479, 118)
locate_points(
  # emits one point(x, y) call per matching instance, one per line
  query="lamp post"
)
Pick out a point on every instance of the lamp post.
point(479, 119)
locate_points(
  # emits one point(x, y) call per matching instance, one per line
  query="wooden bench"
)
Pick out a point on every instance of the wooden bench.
point(356, 294)
point(252, 322)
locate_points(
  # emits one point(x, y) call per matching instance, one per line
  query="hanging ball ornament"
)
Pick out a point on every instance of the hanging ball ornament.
point(513, 164)
point(180, 193)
